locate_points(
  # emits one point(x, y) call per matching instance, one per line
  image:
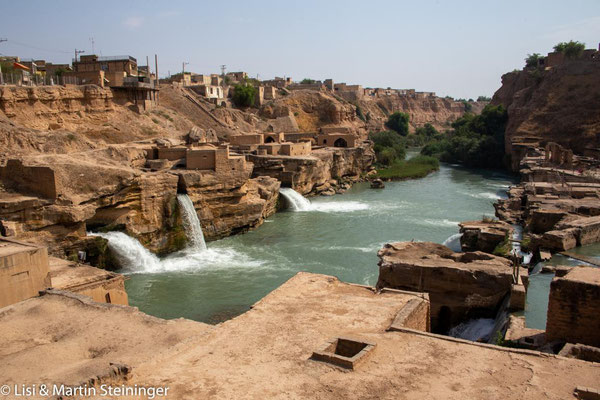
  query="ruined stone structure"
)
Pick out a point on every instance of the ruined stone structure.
point(23, 271)
point(460, 285)
point(557, 155)
point(337, 140)
point(574, 307)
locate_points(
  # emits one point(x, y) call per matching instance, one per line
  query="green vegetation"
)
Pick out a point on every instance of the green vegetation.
point(361, 115)
point(570, 49)
point(307, 81)
point(484, 98)
point(244, 95)
point(503, 249)
point(389, 147)
point(532, 60)
point(422, 136)
point(417, 167)
point(476, 140)
point(398, 122)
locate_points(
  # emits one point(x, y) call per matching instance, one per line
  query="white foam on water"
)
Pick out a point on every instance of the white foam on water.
point(436, 222)
point(135, 258)
point(474, 329)
point(453, 242)
point(299, 203)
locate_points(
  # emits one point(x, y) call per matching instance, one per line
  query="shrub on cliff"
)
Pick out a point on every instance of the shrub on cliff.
point(307, 81)
point(532, 60)
point(243, 95)
point(398, 122)
point(570, 49)
point(388, 146)
point(476, 140)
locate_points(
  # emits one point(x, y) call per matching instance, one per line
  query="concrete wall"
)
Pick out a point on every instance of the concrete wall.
point(23, 271)
point(37, 181)
point(574, 307)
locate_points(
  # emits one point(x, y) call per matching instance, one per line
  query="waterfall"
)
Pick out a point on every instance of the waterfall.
point(516, 246)
point(475, 329)
point(130, 253)
point(193, 229)
point(453, 243)
point(296, 200)
point(300, 203)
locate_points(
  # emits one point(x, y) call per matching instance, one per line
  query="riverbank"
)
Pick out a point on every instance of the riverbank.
point(413, 168)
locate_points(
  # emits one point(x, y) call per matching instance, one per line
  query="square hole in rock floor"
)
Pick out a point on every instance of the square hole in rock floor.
point(344, 352)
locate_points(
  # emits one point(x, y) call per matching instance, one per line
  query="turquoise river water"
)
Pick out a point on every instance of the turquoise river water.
point(339, 236)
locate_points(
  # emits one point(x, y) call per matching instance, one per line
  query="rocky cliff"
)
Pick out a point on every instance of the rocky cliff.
point(324, 171)
point(438, 111)
point(559, 104)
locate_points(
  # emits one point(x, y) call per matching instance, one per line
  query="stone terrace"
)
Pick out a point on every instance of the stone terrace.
point(266, 352)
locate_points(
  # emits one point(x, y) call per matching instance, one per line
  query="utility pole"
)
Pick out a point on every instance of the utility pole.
point(78, 52)
point(223, 66)
point(93, 48)
point(147, 68)
point(1, 76)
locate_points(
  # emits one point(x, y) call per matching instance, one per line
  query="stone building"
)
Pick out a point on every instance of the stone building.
point(337, 140)
point(285, 149)
point(115, 68)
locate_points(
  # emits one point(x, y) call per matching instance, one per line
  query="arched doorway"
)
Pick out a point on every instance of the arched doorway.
point(269, 139)
point(340, 143)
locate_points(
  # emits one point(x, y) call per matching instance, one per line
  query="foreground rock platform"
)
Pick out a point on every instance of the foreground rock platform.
point(266, 352)
point(460, 285)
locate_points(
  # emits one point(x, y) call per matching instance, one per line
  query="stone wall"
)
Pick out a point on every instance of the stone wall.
point(574, 307)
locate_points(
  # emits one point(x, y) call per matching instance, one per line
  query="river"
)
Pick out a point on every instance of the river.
point(339, 236)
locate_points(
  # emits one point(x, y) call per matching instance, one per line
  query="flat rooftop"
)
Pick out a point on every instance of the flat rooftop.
point(266, 352)
point(10, 247)
point(68, 275)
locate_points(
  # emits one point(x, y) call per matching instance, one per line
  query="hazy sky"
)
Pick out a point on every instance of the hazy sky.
point(454, 47)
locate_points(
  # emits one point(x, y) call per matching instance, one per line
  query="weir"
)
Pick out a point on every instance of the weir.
point(296, 200)
point(453, 242)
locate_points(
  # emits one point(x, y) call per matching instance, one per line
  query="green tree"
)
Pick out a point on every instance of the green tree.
point(243, 95)
point(307, 81)
point(532, 60)
point(484, 98)
point(571, 49)
point(398, 122)
point(388, 146)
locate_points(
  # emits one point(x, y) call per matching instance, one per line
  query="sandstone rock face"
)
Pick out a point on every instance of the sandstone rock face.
point(460, 285)
point(440, 112)
point(320, 172)
point(483, 236)
point(559, 105)
point(232, 204)
point(312, 110)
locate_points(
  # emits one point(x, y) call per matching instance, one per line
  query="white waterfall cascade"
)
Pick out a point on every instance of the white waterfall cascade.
point(296, 200)
point(453, 243)
point(299, 203)
point(191, 223)
point(130, 253)
point(475, 329)
point(516, 246)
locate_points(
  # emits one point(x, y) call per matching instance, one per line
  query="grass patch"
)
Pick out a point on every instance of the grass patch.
point(416, 167)
point(503, 249)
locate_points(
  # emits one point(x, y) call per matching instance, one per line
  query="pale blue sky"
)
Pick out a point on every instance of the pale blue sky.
point(455, 47)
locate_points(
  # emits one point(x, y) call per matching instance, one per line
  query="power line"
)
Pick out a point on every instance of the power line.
point(36, 47)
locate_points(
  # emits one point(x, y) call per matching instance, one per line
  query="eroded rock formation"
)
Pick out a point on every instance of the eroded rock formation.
point(460, 285)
